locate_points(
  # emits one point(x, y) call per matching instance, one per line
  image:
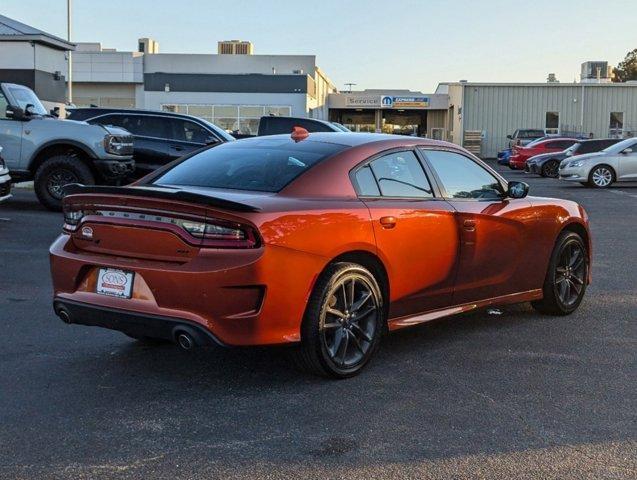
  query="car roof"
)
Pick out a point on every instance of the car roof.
point(96, 111)
point(353, 139)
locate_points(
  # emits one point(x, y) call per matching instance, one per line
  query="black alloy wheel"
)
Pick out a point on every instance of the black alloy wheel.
point(343, 323)
point(551, 169)
point(567, 276)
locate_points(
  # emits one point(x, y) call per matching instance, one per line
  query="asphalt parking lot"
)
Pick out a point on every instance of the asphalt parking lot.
point(515, 395)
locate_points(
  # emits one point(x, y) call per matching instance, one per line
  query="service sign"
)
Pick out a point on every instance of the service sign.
point(115, 283)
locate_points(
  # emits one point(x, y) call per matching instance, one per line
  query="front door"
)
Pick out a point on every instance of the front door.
point(416, 233)
point(496, 250)
point(627, 164)
point(10, 137)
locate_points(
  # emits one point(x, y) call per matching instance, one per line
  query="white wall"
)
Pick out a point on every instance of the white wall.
point(125, 67)
point(24, 56)
point(228, 64)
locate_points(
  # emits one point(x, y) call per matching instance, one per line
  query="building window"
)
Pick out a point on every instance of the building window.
point(552, 122)
point(616, 124)
point(243, 119)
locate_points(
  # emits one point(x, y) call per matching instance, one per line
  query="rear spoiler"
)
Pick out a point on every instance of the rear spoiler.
point(161, 193)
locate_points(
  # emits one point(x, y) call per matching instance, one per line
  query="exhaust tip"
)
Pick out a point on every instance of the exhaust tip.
point(185, 341)
point(65, 316)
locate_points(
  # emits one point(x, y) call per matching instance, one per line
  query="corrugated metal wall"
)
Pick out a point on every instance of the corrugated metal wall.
point(498, 110)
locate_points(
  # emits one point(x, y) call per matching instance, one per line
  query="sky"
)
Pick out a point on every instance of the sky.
point(400, 44)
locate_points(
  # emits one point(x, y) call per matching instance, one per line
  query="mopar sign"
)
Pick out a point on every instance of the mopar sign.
point(386, 102)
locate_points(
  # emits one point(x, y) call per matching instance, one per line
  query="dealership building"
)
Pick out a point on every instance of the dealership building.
point(235, 87)
point(232, 88)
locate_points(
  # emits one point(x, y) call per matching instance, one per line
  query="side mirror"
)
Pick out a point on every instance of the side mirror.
point(211, 140)
point(626, 151)
point(55, 111)
point(510, 137)
point(14, 112)
point(517, 189)
point(28, 110)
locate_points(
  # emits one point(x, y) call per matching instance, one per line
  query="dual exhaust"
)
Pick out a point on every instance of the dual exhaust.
point(186, 337)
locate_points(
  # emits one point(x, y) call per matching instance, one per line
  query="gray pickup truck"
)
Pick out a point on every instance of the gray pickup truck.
point(54, 152)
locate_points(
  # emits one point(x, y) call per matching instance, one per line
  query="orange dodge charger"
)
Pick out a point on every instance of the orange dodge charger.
point(324, 240)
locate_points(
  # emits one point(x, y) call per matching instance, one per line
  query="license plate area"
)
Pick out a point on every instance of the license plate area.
point(115, 283)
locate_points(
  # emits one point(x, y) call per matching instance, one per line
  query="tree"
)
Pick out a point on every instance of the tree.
point(627, 70)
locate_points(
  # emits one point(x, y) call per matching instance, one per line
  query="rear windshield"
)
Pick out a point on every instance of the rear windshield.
point(263, 165)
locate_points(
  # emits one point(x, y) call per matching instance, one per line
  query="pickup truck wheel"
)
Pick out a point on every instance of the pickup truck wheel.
point(54, 174)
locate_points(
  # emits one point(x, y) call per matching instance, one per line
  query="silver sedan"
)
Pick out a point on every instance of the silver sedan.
point(601, 169)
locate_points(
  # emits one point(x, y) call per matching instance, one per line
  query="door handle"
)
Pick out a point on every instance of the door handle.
point(469, 225)
point(388, 222)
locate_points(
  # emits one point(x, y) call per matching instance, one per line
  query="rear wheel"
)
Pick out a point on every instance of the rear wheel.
point(551, 169)
point(343, 322)
point(601, 176)
point(565, 282)
point(55, 173)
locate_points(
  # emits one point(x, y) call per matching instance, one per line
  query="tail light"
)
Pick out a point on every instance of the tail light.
point(214, 233)
point(72, 219)
point(222, 234)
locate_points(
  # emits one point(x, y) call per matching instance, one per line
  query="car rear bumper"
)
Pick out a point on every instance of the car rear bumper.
point(131, 323)
point(241, 297)
point(5, 185)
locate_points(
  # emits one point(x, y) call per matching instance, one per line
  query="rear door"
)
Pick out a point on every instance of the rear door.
point(496, 233)
point(628, 163)
point(415, 231)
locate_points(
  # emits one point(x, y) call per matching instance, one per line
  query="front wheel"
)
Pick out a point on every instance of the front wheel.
point(566, 279)
point(601, 176)
point(551, 169)
point(55, 173)
point(343, 322)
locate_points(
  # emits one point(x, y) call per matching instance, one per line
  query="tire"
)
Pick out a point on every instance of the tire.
point(601, 176)
point(550, 169)
point(566, 278)
point(54, 173)
point(339, 346)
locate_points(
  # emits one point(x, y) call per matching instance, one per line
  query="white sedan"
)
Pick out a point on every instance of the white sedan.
point(600, 169)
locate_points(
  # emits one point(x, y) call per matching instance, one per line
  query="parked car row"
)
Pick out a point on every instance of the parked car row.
point(596, 162)
point(94, 146)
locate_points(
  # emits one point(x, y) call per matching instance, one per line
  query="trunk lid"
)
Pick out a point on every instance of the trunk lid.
point(149, 223)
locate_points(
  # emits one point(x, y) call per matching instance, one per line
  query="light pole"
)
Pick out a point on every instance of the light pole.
point(70, 72)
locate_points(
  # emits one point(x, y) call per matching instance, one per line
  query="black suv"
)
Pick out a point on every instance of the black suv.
point(275, 125)
point(159, 137)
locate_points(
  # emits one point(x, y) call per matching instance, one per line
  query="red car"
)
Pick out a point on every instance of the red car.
point(520, 155)
point(325, 241)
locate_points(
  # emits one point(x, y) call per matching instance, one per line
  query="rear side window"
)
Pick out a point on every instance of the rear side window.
point(401, 175)
point(141, 125)
point(263, 165)
point(560, 144)
point(366, 183)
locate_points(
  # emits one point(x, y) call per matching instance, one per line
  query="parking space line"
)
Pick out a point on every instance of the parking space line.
point(621, 192)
